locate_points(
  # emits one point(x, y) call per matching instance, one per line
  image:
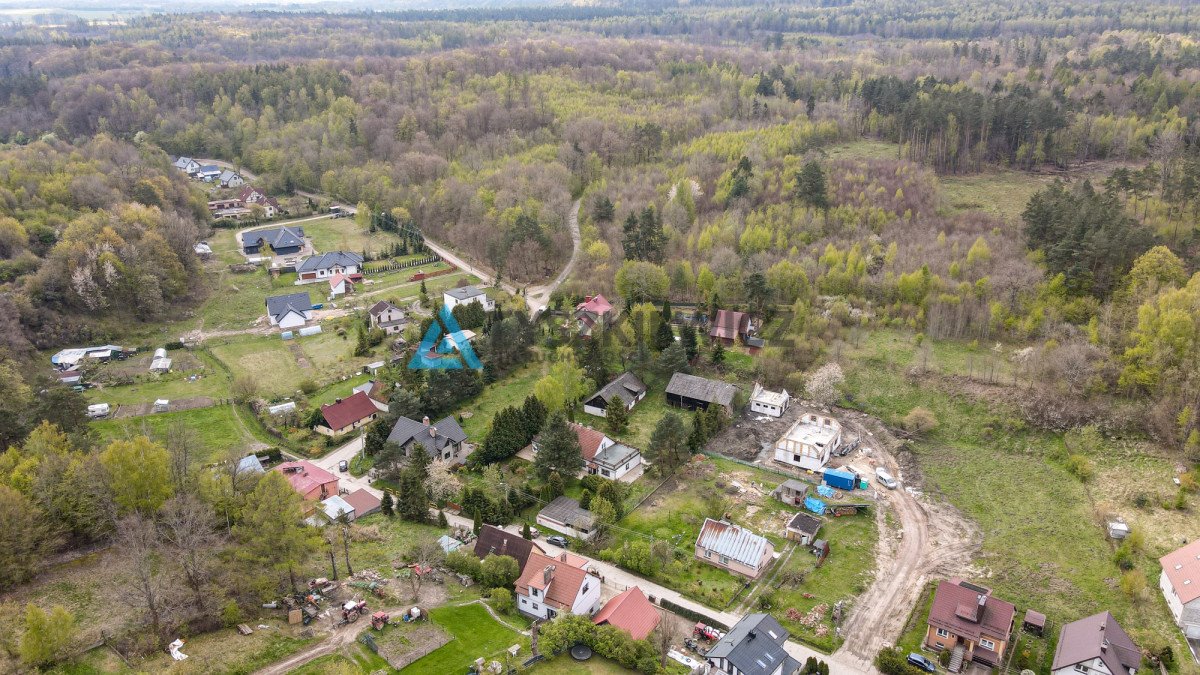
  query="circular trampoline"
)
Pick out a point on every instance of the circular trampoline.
point(581, 652)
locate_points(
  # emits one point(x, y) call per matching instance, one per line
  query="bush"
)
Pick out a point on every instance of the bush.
point(1123, 558)
point(231, 613)
point(463, 562)
point(502, 600)
point(944, 658)
point(308, 387)
point(1133, 584)
point(894, 662)
point(1081, 467)
point(499, 570)
point(919, 420)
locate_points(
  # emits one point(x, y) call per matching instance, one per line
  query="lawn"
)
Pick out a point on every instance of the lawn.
point(238, 301)
point(510, 391)
point(863, 148)
point(218, 429)
point(355, 659)
point(343, 234)
point(225, 651)
point(211, 381)
point(474, 634)
point(273, 362)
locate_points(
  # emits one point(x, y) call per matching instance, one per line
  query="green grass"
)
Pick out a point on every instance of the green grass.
point(511, 391)
point(269, 360)
point(350, 660)
point(213, 382)
point(563, 664)
point(336, 390)
point(1000, 192)
point(863, 148)
point(218, 429)
point(343, 234)
point(225, 651)
point(474, 634)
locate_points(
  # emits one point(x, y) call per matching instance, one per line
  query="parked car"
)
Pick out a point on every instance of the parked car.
point(343, 466)
point(922, 662)
point(885, 479)
point(558, 541)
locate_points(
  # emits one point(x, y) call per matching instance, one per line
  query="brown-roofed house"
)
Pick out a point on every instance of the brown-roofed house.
point(1096, 644)
point(602, 455)
point(363, 502)
point(495, 541)
point(630, 611)
point(387, 317)
point(967, 620)
point(1180, 584)
point(347, 414)
point(310, 480)
point(729, 326)
point(551, 586)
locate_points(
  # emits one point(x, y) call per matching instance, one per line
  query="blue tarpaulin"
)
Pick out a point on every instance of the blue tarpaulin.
point(825, 491)
point(815, 505)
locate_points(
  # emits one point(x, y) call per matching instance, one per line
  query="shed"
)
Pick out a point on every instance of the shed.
point(282, 408)
point(162, 405)
point(565, 515)
point(1034, 623)
point(803, 528)
point(449, 544)
point(791, 491)
point(310, 330)
point(691, 392)
point(335, 507)
point(820, 548)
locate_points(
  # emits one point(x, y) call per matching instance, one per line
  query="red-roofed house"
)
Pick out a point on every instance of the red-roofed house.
point(729, 326)
point(1180, 583)
point(966, 619)
point(550, 586)
point(364, 503)
point(594, 311)
point(310, 480)
point(340, 284)
point(347, 414)
point(602, 455)
point(630, 611)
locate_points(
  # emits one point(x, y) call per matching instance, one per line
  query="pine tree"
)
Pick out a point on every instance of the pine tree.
point(672, 360)
point(525, 533)
point(386, 505)
point(46, 635)
point(666, 311)
point(617, 415)
point(477, 523)
point(273, 535)
point(413, 503)
point(554, 486)
point(585, 498)
point(811, 187)
point(442, 521)
point(559, 449)
point(687, 338)
point(718, 353)
point(663, 337)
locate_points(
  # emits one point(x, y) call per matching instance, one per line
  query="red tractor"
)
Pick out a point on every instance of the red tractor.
point(379, 620)
point(353, 609)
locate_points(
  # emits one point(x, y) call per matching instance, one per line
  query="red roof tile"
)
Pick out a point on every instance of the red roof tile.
point(350, 410)
point(565, 581)
point(955, 608)
point(305, 476)
point(589, 440)
point(631, 612)
point(729, 324)
point(597, 305)
point(1182, 568)
point(363, 502)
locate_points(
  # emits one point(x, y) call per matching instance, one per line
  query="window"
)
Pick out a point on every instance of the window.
point(707, 553)
point(724, 560)
point(585, 587)
point(987, 644)
point(535, 605)
point(1080, 668)
point(943, 633)
point(524, 601)
point(604, 472)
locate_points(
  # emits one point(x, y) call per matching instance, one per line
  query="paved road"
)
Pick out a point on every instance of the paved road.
point(347, 480)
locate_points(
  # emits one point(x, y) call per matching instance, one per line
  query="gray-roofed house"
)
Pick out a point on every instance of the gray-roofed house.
point(289, 311)
point(187, 165)
point(283, 240)
point(327, 265)
point(231, 179)
point(567, 516)
point(1096, 644)
point(753, 646)
point(734, 548)
point(626, 388)
point(691, 392)
point(387, 317)
point(443, 441)
point(467, 294)
point(208, 173)
point(791, 492)
point(803, 528)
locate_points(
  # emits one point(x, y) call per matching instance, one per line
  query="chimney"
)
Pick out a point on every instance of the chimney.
point(563, 556)
point(433, 432)
point(547, 574)
point(751, 635)
point(425, 420)
point(337, 400)
point(1103, 646)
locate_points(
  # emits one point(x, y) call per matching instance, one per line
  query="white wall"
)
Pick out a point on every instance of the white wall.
point(293, 320)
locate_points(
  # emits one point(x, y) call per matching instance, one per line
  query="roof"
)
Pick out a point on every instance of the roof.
point(305, 476)
point(495, 541)
point(1035, 618)
point(596, 305)
point(335, 506)
point(732, 541)
point(590, 440)
point(447, 429)
point(249, 463)
point(1182, 568)
point(324, 261)
point(464, 293)
point(278, 306)
point(381, 307)
point(363, 502)
point(277, 237)
point(754, 646)
point(755, 341)
point(626, 386)
point(802, 522)
point(227, 174)
point(957, 608)
point(631, 612)
point(337, 280)
point(1097, 636)
point(210, 168)
point(352, 409)
point(448, 543)
point(775, 398)
point(568, 511)
point(615, 455)
point(729, 324)
point(565, 580)
point(701, 389)
point(793, 485)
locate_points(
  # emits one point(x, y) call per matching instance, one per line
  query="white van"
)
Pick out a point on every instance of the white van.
point(97, 410)
point(885, 479)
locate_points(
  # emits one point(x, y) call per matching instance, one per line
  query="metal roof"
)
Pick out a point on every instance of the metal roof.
point(732, 541)
point(464, 293)
point(615, 455)
point(754, 646)
point(566, 510)
point(324, 261)
point(626, 386)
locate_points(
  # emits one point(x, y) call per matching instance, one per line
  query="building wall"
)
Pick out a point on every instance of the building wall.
point(810, 458)
point(765, 409)
point(1094, 666)
point(451, 302)
point(615, 474)
point(735, 566)
point(331, 489)
point(292, 320)
point(587, 602)
point(564, 528)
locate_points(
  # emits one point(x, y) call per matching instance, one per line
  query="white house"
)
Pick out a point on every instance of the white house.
point(602, 455)
point(340, 284)
point(1180, 583)
point(773, 403)
point(230, 179)
point(387, 317)
point(626, 388)
point(809, 442)
point(289, 311)
point(753, 645)
point(1096, 644)
point(208, 173)
point(187, 165)
point(550, 586)
point(461, 296)
point(324, 266)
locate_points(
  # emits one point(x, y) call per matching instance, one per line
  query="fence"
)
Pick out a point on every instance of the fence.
point(384, 269)
point(691, 614)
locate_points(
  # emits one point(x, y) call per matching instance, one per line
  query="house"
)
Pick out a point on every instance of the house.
point(347, 414)
point(1180, 583)
point(730, 547)
point(224, 204)
point(387, 317)
point(1096, 644)
point(773, 403)
point(550, 586)
point(335, 507)
point(283, 240)
point(208, 173)
point(970, 622)
point(753, 646)
point(467, 294)
point(71, 377)
point(187, 165)
point(67, 359)
point(565, 515)
point(364, 503)
point(230, 179)
point(730, 326)
point(376, 391)
point(754, 344)
point(803, 528)
point(593, 312)
point(457, 340)
point(289, 311)
point(443, 441)
point(809, 442)
point(691, 392)
point(630, 611)
point(325, 266)
point(791, 492)
point(601, 455)
point(252, 195)
point(626, 388)
point(310, 480)
point(495, 541)
point(340, 284)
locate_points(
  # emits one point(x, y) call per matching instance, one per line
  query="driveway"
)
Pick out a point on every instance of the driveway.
point(346, 480)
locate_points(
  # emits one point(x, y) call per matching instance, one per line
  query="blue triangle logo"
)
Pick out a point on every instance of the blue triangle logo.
point(437, 353)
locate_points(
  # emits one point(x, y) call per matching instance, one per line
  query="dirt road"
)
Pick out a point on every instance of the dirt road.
point(538, 297)
point(338, 638)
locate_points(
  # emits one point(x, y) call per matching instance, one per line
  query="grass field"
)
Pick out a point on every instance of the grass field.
point(272, 362)
point(225, 651)
point(353, 660)
point(212, 381)
point(343, 234)
point(474, 634)
point(512, 390)
point(217, 429)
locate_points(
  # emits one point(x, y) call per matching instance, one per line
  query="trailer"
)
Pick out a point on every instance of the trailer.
point(842, 480)
point(838, 510)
